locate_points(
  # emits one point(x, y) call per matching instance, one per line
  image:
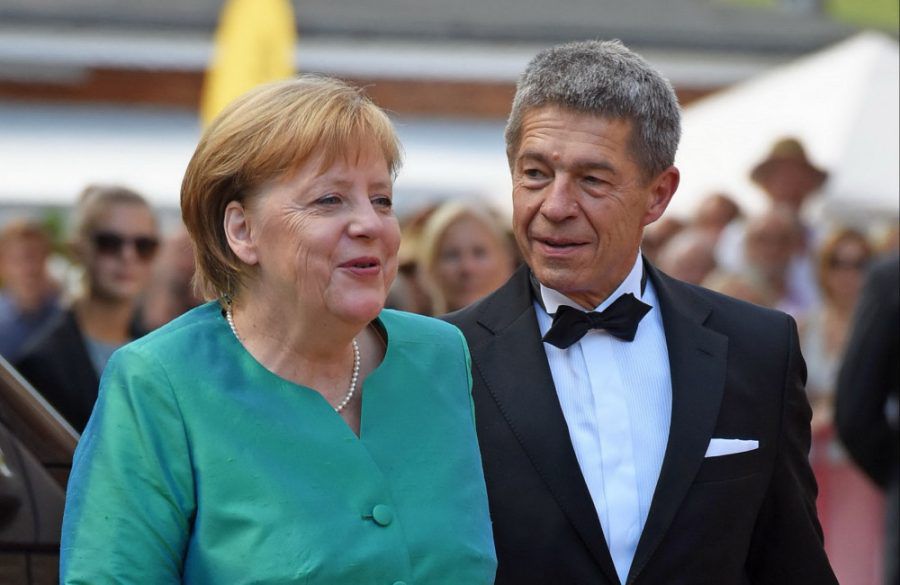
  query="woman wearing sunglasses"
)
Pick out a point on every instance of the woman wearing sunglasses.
point(290, 431)
point(114, 239)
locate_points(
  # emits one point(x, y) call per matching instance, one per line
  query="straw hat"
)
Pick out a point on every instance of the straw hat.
point(787, 151)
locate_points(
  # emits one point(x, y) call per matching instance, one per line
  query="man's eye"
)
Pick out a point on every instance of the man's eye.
point(595, 181)
point(533, 173)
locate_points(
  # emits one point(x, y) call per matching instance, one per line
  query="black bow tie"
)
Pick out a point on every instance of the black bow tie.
point(620, 319)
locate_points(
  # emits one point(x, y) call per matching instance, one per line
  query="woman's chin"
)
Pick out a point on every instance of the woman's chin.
point(362, 310)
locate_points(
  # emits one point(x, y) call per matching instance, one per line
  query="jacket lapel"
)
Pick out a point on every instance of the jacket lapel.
point(697, 360)
point(514, 368)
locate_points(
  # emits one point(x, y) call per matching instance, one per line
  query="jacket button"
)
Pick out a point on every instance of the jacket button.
point(399, 582)
point(382, 515)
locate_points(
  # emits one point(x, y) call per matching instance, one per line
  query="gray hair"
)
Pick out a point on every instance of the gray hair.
point(606, 79)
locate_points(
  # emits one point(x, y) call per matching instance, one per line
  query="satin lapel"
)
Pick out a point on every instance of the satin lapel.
point(514, 368)
point(697, 360)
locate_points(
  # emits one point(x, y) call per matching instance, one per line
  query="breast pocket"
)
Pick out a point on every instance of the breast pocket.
point(727, 467)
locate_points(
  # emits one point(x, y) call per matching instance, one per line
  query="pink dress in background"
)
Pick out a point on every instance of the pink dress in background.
point(850, 506)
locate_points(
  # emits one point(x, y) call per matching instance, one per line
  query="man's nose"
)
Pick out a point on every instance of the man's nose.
point(559, 203)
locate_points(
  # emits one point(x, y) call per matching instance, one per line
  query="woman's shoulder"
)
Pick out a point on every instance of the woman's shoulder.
point(181, 332)
point(410, 327)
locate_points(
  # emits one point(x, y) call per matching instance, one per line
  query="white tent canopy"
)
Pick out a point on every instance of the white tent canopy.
point(842, 103)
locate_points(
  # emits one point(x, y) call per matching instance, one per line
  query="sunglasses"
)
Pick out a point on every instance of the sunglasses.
point(844, 264)
point(112, 244)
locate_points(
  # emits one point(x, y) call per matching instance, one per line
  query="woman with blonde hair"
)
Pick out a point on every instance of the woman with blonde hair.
point(850, 507)
point(291, 430)
point(113, 239)
point(464, 255)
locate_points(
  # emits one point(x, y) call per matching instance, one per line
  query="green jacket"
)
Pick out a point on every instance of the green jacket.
point(200, 466)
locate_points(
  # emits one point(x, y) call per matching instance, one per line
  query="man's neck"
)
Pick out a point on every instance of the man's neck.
point(632, 282)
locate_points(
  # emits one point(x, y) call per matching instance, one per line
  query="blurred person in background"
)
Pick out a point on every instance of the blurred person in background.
point(114, 239)
point(408, 292)
point(868, 396)
point(787, 176)
point(657, 235)
point(769, 244)
point(714, 213)
point(689, 256)
point(170, 292)
point(850, 507)
point(745, 287)
point(789, 180)
point(232, 445)
point(464, 255)
point(841, 262)
point(29, 296)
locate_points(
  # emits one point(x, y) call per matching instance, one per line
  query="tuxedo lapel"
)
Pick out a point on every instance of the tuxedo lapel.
point(697, 360)
point(514, 368)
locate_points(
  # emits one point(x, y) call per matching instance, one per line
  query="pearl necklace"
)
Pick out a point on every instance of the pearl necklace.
point(354, 378)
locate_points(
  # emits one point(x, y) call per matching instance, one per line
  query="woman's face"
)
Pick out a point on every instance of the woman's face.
point(844, 271)
point(470, 263)
point(327, 240)
point(118, 255)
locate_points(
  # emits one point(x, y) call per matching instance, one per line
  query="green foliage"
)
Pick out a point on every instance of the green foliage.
point(54, 221)
point(883, 14)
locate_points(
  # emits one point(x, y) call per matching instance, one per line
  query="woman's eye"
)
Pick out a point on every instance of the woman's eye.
point(330, 199)
point(383, 201)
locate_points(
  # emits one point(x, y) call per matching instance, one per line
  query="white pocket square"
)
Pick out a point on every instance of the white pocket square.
point(719, 447)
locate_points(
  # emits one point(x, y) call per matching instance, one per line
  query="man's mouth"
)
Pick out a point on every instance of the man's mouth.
point(559, 244)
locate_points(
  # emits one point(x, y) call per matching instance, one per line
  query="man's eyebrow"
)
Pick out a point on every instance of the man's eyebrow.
point(532, 155)
point(594, 165)
point(581, 165)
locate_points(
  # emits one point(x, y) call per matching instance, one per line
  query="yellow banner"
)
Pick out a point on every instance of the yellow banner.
point(254, 44)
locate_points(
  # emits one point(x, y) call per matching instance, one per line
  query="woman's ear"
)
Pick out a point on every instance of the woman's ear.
point(239, 234)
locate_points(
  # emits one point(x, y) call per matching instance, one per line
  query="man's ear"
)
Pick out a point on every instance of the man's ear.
point(239, 234)
point(662, 188)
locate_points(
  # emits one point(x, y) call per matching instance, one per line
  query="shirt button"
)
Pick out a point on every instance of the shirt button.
point(399, 582)
point(382, 515)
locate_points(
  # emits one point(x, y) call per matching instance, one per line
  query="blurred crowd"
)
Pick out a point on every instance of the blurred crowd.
point(123, 279)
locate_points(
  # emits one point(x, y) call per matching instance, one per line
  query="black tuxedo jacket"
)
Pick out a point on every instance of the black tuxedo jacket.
point(736, 372)
point(868, 383)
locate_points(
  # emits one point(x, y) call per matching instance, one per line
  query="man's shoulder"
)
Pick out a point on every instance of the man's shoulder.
point(885, 271)
point(725, 312)
point(494, 311)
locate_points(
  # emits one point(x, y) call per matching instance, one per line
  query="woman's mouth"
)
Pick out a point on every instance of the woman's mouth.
point(363, 265)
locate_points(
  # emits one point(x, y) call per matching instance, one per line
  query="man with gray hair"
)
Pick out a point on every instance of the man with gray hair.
point(634, 429)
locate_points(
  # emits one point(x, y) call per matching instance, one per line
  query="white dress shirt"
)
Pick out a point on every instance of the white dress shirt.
point(616, 397)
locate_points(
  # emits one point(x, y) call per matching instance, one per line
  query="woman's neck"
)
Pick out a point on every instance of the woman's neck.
point(105, 320)
point(294, 343)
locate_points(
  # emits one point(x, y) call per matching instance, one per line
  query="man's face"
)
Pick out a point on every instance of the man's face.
point(580, 201)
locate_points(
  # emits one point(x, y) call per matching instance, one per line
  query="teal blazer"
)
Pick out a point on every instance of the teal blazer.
point(200, 466)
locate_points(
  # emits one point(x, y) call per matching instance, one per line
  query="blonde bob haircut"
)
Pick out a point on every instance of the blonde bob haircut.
point(433, 232)
point(260, 138)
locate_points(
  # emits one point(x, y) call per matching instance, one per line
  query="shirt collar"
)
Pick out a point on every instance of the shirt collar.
point(551, 299)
